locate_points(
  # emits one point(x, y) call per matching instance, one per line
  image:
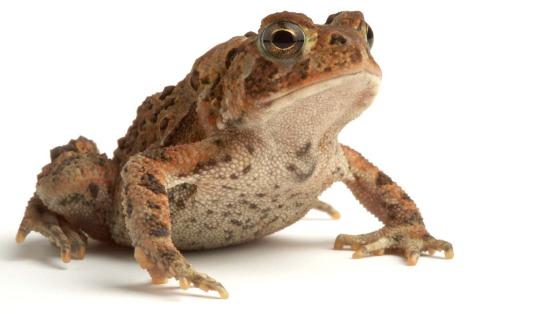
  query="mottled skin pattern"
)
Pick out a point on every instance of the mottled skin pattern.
point(240, 148)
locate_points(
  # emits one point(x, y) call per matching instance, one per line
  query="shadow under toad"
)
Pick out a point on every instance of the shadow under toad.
point(267, 251)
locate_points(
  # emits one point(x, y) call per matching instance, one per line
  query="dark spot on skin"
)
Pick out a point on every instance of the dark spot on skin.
point(246, 169)
point(228, 205)
point(250, 148)
point(397, 238)
point(230, 56)
point(302, 151)
point(252, 205)
point(164, 123)
point(227, 158)
point(101, 160)
point(241, 194)
point(298, 204)
point(93, 189)
point(154, 117)
point(211, 162)
point(179, 204)
point(150, 182)
point(198, 168)
point(180, 194)
point(128, 207)
point(276, 186)
point(301, 175)
point(260, 195)
point(166, 91)
point(406, 197)
point(227, 187)
point(327, 69)
point(205, 80)
point(235, 222)
point(337, 39)
point(219, 142)
point(274, 200)
point(153, 205)
point(233, 176)
point(209, 212)
point(393, 207)
point(162, 231)
point(194, 79)
point(383, 179)
point(280, 205)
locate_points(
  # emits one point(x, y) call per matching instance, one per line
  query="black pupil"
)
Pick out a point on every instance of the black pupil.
point(283, 39)
point(369, 33)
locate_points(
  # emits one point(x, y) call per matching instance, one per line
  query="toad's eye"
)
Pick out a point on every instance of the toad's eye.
point(369, 36)
point(282, 40)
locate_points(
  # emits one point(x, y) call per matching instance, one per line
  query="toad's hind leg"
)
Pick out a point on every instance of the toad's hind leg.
point(73, 194)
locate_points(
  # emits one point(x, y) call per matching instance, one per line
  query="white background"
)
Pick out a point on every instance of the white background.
point(466, 121)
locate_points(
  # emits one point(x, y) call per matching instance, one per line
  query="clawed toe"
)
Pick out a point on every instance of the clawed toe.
point(204, 283)
point(327, 208)
point(407, 241)
point(70, 241)
point(180, 270)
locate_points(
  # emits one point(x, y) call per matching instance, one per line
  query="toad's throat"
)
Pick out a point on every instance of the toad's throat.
point(319, 110)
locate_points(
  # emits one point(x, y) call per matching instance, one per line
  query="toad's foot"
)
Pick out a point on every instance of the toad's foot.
point(410, 241)
point(71, 241)
point(324, 207)
point(166, 262)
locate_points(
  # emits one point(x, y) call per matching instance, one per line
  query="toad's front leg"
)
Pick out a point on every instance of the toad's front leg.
point(146, 178)
point(404, 230)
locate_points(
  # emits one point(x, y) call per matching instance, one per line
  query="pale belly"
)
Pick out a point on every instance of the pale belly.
point(218, 216)
point(247, 200)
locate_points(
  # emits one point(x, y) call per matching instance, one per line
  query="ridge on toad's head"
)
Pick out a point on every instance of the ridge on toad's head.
point(237, 79)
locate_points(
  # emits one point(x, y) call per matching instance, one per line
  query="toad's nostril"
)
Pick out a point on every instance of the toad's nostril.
point(337, 39)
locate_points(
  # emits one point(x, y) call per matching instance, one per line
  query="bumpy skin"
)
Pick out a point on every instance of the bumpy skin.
point(240, 148)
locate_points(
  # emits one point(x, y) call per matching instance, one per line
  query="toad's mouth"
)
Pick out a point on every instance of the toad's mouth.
point(362, 82)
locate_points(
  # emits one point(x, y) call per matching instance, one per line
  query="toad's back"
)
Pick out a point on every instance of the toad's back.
point(185, 113)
